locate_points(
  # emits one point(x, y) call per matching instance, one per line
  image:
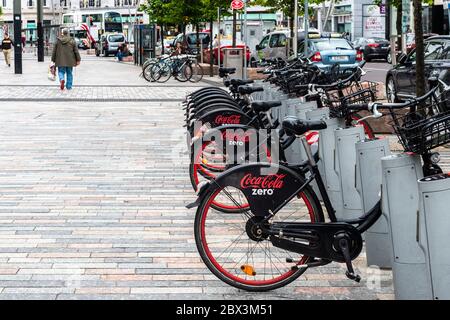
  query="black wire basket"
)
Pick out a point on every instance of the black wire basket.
point(424, 128)
point(339, 101)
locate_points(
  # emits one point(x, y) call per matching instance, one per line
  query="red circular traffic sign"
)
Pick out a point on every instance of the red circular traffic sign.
point(237, 4)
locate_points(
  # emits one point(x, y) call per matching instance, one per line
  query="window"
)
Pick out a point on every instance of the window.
point(91, 3)
point(433, 50)
point(63, 3)
point(264, 42)
point(274, 40)
point(282, 41)
point(68, 19)
point(4, 3)
point(30, 3)
point(98, 3)
point(332, 44)
point(446, 52)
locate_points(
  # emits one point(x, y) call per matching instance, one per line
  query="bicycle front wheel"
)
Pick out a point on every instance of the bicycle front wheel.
point(161, 72)
point(236, 251)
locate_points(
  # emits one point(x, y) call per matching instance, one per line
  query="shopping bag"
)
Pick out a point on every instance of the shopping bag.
point(52, 72)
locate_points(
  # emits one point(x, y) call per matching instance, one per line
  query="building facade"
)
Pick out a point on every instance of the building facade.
point(53, 11)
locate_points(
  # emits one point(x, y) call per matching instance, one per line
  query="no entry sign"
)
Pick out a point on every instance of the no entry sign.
point(237, 4)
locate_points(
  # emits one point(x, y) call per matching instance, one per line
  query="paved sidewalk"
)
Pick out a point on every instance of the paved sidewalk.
point(93, 195)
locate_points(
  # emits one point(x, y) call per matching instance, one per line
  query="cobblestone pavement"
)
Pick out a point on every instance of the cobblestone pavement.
point(92, 206)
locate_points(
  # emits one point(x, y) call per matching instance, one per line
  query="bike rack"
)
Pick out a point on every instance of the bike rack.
point(346, 198)
point(368, 182)
point(400, 205)
point(434, 227)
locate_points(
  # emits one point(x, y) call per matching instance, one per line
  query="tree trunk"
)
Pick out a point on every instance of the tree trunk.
point(291, 23)
point(420, 56)
point(398, 26)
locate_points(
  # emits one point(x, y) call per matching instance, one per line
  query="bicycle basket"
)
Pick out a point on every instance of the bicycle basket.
point(356, 93)
point(424, 129)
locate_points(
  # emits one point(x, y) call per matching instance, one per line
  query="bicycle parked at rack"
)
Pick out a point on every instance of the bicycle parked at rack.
point(280, 230)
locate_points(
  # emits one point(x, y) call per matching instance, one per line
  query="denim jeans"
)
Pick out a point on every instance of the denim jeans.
point(119, 55)
point(62, 71)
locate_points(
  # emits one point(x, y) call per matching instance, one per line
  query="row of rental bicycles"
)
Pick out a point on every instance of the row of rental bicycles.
point(263, 218)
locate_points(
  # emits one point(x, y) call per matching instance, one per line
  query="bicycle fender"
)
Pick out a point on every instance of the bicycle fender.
point(265, 186)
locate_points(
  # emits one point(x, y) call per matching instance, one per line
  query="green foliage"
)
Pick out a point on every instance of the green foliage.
point(182, 12)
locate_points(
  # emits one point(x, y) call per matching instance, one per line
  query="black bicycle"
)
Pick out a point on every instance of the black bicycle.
point(280, 230)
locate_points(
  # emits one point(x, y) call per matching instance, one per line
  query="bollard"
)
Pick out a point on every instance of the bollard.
point(434, 231)
point(368, 181)
point(400, 204)
point(346, 198)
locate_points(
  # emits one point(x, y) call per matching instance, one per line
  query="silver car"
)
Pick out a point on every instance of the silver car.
point(109, 44)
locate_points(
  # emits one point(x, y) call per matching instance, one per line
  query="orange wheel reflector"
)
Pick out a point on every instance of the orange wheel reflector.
point(247, 269)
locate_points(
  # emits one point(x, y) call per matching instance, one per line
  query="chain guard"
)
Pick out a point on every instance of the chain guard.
point(318, 239)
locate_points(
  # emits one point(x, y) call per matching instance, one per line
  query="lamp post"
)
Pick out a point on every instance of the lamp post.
point(17, 14)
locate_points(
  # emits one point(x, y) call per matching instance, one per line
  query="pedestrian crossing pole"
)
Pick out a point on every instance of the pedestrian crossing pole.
point(40, 32)
point(17, 16)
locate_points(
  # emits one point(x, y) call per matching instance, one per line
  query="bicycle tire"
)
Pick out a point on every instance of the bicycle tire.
point(224, 272)
point(185, 74)
point(197, 73)
point(161, 72)
point(147, 72)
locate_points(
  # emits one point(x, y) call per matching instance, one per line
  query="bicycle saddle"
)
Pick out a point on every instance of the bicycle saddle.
point(225, 71)
point(263, 106)
point(296, 126)
point(240, 82)
point(249, 90)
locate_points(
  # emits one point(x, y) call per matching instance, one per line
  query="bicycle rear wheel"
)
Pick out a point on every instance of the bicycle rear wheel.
point(197, 74)
point(235, 249)
point(184, 73)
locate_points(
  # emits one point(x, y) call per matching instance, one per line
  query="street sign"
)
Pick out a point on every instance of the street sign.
point(237, 4)
point(382, 9)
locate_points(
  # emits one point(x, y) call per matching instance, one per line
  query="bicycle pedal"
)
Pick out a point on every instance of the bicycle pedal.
point(353, 276)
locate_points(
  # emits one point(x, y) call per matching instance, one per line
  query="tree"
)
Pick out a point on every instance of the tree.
point(420, 55)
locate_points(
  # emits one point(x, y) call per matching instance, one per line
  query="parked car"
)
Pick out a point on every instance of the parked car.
point(401, 79)
point(373, 48)
point(189, 40)
point(223, 45)
point(328, 51)
point(411, 40)
point(275, 45)
point(109, 44)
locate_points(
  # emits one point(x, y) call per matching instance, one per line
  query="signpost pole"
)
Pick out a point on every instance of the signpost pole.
point(245, 39)
point(294, 44)
point(306, 17)
point(218, 39)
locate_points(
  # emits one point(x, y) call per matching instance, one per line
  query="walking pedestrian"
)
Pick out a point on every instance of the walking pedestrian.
point(7, 45)
point(65, 55)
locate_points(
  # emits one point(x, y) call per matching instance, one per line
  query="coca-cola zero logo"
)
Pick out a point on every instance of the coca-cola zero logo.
point(232, 119)
point(273, 181)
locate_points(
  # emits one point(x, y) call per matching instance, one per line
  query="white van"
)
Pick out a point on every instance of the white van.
point(276, 45)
